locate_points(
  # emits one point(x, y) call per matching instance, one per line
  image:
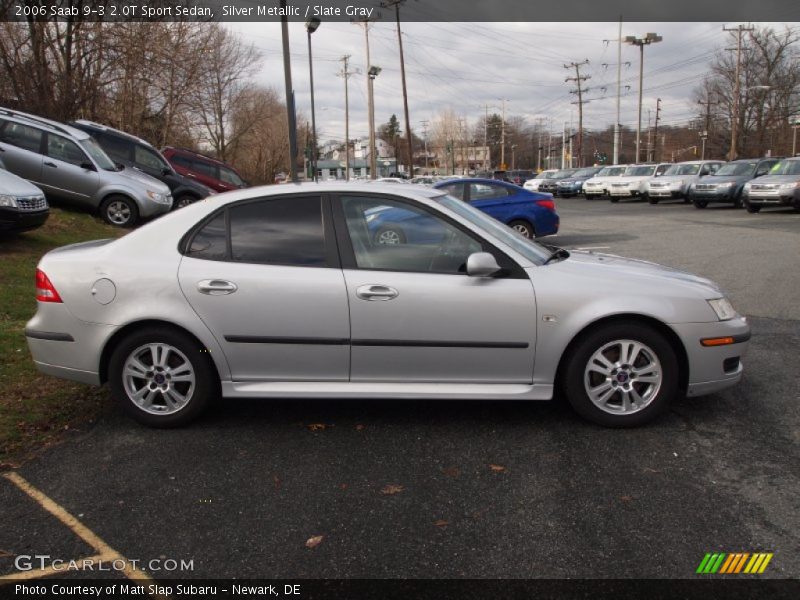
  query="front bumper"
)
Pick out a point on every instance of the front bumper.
point(150, 208)
point(623, 192)
point(713, 368)
point(13, 219)
point(726, 195)
point(776, 198)
point(664, 193)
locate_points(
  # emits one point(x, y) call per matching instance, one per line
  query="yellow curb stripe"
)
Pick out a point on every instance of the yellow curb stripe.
point(87, 535)
point(757, 564)
point(766, 562)
point(749, 566)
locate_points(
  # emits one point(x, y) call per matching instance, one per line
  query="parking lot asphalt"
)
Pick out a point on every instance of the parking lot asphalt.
point(467, 489)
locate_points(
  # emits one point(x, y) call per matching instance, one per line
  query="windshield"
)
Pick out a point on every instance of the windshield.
point(564, 173)
point(546, 175)
point(229, 176)
point(737, 169)
point(532, 251)
point(585, 172)
point(614, 171)
point(683, 170)
point(786, 167)
point(97, 154)
point(640, 171)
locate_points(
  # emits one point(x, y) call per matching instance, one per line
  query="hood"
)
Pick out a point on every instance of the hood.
point(775, 179)
point(151, 183)
point(17, 186)
point(724, 179)
point(634, 272)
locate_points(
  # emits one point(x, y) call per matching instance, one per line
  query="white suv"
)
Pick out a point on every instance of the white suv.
point(633, 183)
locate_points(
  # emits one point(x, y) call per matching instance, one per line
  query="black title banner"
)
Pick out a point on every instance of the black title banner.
point(411, 10)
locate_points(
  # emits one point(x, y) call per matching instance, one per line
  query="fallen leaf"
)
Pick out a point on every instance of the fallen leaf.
point(441, 523)
point(317, 427)
point(392, 488)
point(4, 553)
point(315, 541)
point(359, 427)
point(626, 498)
point(452, 472)
point(497, 468)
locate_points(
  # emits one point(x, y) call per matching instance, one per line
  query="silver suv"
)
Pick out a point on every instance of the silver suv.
point(68, 164)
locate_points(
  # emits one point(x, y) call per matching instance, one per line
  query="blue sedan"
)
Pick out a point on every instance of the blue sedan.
point(532, 214)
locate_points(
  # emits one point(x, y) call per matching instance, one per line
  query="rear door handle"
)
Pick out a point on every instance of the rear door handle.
point(49, 164)
point(216, 287)
point(377, 292)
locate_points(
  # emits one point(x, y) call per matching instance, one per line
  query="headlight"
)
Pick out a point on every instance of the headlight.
point(723, 308)
point(747, 187)
point(677, 184)
point(724, 186)
point(8, 202)
point(790, 186)
point(158, 197)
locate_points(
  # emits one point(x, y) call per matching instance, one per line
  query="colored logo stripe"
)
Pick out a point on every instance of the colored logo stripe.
point(737, 562)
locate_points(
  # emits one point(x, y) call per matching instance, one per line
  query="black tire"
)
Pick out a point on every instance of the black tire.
point(614, 199)
point(687, 200)
point(574, 374)
point(523, 227)
point(206, 384)
point(752, 209)
point(184, 200)
point(652, 200)
point(119, 211)
point(700, 203)
point(737, 200)
point(389, 235)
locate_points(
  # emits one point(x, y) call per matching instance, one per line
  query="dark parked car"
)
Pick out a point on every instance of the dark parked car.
point(573, 185)
point(727, 184)
point(212, 173)
point(532, 214)
point(520, 176)
point(22, 204)
point(550, 186)
point(130, 151)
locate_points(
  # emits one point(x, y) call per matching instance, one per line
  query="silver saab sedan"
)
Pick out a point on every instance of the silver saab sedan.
point(291, 292)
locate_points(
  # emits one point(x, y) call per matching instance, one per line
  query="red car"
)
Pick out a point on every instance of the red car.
point(213, 173)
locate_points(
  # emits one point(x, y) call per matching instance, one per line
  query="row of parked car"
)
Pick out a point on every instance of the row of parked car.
point(118, 175)
point(752, 183)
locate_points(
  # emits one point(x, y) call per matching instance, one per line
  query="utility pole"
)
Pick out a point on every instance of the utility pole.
point(425, 140)
point(539, 122)
point(655, 134)
point(564, 146)
point(373, 163)
point(290, 111)
point(619, 87)
point(579, 79)
point(735, 120)
point(486, 158)
point(705, 134)
point(410, 155)
point(503, 135)
point(345, 73)
point(649, 150)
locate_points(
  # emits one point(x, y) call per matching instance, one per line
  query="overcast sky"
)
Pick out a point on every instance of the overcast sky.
point(467, 65)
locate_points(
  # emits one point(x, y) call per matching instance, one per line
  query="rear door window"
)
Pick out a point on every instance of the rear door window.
point(63, 149)
point(21, 136)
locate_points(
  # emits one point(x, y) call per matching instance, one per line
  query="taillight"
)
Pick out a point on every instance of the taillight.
point(45, 290)
point(548, 204)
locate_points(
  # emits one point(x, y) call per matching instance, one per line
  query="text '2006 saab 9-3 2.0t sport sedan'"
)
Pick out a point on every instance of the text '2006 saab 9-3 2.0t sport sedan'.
point(284, 291)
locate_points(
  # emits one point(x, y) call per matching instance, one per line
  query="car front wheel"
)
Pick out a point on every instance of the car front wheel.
point(752, 209)
point(182, 201)
point(120, 211)
point(162, 377)
point(700, 203)
point(621, 375)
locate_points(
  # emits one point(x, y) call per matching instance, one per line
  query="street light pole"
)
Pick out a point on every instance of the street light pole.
point(373, 160)
point(649, 38)
point(291, 115)
point(311, 27)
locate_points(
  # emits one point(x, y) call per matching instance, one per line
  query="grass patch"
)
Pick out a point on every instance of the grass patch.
point(35, 410)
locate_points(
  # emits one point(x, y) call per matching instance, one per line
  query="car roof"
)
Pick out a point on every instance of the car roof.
point(194, 154)
point(41, 122)
point(108, 129)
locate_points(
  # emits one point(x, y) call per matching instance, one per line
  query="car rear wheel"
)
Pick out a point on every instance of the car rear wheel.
point(120, 211)
point(523, 227)
point(700, 203)
point(162, 377)
point(621, 375)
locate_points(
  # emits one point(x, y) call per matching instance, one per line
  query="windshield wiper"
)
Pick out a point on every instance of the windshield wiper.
point(558, 253)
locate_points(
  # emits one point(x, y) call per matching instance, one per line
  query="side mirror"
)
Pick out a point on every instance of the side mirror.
point(166, 171)
point(482, 264)
point(88, 166)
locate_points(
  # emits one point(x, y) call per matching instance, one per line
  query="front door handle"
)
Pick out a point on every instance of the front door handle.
point(49, 164)
point(216, 287)
point(376, 292)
